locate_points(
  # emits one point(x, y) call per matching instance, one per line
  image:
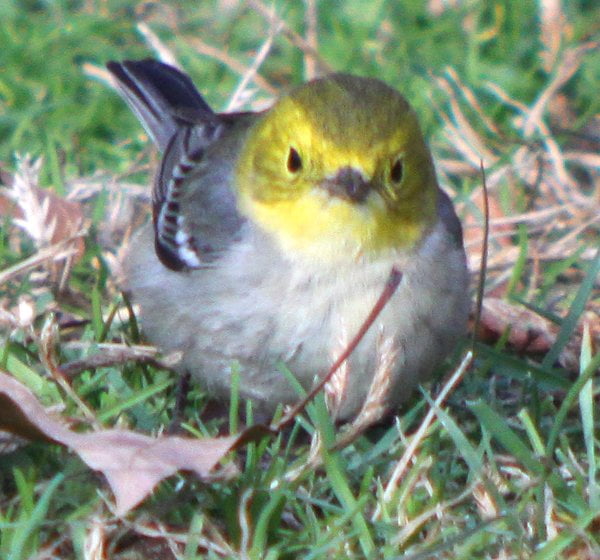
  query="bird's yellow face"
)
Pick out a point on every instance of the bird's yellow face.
point(339, 168)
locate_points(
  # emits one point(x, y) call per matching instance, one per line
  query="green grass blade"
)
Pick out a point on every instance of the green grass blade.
point(31, 523)
point(136, 398)
point(586, 409)
point(575, 311)
point(569, 399)
point(498, 427)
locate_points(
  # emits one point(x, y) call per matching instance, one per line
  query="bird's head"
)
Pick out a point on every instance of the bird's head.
point(339, 167)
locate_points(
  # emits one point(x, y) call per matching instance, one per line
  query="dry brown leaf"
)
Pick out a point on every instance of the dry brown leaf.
point(8, 207)
point(531, 333)
point(47, 218)
point(132, 463)
point(528, 331)
point(135, 463)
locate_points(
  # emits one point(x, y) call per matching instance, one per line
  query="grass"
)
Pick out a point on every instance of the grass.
point(508, 467)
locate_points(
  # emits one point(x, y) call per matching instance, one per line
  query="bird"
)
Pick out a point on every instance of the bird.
point(273, 234)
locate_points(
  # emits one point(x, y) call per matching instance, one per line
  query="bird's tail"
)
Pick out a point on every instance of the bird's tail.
point(161, 97)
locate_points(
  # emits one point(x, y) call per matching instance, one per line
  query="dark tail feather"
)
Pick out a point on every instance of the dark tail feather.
point(161, 97)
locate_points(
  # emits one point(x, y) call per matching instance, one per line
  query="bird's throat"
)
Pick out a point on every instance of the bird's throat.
point(332, 229)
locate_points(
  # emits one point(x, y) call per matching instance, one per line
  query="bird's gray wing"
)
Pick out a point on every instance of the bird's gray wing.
point(194, 209)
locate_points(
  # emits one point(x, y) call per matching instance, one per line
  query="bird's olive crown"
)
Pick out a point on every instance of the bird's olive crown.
point(336, 129)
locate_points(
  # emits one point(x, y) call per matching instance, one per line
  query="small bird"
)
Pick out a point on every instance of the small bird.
point(274, 234)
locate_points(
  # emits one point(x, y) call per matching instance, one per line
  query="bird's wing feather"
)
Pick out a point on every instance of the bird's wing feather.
point(195, 211)
point(181, 199)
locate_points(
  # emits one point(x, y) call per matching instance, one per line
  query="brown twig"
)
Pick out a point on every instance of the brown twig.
point(230, 62)
point(292, 36)
point(484, 258)
point(115, 354)
point(57, 252)
point(310, 66)
point(165, 54)
point(252, 71)
point(48, 339)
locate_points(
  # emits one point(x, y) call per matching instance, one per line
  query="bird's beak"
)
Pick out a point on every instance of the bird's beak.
point(349, 184)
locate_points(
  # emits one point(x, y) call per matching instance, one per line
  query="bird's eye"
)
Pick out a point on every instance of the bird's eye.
point(397, 171)
point(294, 161)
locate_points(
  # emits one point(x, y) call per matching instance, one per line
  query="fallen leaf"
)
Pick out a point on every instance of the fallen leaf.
point(132, 463)
point(47, 218)
point(528, 331)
